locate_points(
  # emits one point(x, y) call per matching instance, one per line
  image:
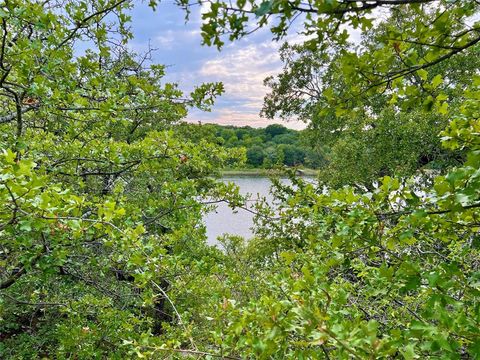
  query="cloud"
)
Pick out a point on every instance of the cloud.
point(170, 39)
point(166, 40)
point(242, 69)
point(229, 116)
point(242, 66)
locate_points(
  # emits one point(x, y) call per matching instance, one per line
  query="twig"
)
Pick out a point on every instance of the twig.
point(33, 304)
point(180, 321)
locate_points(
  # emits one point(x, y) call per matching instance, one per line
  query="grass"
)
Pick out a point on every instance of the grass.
point(264, 172)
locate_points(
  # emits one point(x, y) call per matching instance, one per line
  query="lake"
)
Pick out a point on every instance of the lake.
point(225, 221)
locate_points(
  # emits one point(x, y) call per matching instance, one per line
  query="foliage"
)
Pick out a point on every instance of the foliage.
point(100, 201)
point(102, 251)
point(412, 55)
point(274, 145)
point(371, 139)
point(343, 273)
point(389, 273)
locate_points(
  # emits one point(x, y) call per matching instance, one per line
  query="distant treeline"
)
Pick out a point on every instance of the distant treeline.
point(265, 147)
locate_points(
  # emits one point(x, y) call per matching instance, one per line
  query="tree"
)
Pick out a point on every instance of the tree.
point(349, 273)
point(418, 36)
point(320, 86)
point(255, 156)
point(371, 139)
point(98, 197)
point(261, 152)
point(292, 156)
point(286, 138)
point(102, 251)
point(274, 130)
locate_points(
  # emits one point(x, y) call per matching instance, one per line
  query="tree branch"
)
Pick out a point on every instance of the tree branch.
point(13, 116)
point(84, 21)
point(40, 304)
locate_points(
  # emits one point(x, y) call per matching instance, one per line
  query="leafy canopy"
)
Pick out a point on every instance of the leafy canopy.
point(102, 247)
point(100, 200)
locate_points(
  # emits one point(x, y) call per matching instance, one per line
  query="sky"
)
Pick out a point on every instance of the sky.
point(241, 66)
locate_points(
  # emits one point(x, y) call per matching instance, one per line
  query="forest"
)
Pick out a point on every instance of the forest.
point(104, 186)
point(267, 148)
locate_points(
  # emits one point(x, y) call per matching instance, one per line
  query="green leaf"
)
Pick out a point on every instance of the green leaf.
point(437, 80)
point(423, 74)
point(264, 8)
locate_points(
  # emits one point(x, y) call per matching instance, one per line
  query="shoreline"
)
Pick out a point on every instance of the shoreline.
point(265, 172)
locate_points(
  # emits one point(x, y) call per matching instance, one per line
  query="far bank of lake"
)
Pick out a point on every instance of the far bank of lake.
point(266, 172)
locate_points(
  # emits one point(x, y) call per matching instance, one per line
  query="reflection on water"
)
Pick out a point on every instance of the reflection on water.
point(225, 221)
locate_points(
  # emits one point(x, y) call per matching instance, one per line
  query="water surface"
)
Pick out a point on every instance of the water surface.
point(225, 221)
